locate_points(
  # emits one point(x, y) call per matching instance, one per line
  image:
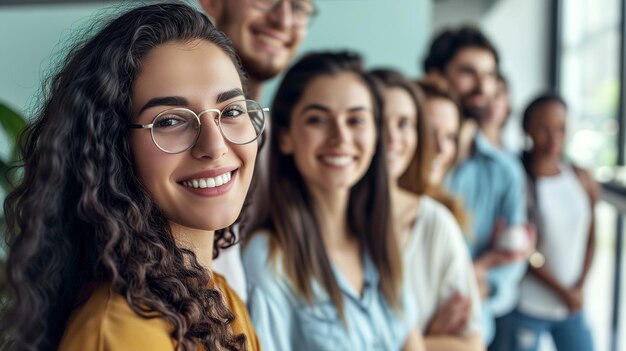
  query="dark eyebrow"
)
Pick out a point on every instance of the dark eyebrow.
point(181, 101)
point(165, 101)
point(229, 94)
point(323, 108)
point(358, 108)
point(316, 107)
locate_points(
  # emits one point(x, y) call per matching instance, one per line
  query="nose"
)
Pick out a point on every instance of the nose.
point(281, 15)
point(340, 133)
point(391, 133)
point(211, 142)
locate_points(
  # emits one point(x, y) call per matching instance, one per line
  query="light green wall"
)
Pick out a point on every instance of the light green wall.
point(387, 32)
point(31, 39)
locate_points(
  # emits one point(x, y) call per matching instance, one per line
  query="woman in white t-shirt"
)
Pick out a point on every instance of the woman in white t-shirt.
point(561, 199)
point(436, 261)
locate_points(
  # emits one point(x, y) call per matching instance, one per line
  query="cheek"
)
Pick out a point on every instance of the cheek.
point(411, 140)
point(367, 139)
point(448, 152)
point(246, 153)
point(305, 140)
point(462, 84)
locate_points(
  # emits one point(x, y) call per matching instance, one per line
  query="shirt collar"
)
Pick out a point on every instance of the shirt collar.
point(484, 147)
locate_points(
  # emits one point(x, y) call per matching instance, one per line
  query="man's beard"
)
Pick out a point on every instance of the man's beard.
point(474, 111)
point(259, 71)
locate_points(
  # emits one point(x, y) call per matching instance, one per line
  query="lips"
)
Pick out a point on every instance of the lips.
point(393, 155)
point(272, 41)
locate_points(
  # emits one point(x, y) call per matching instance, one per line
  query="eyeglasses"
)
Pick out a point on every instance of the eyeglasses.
point(302, 10)
point(176, 130)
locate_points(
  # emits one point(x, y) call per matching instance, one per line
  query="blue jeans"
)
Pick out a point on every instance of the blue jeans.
point(571, 334)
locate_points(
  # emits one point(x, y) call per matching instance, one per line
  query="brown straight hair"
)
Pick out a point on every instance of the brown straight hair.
point(435, 88)
point(293, 222)
point(412, 179)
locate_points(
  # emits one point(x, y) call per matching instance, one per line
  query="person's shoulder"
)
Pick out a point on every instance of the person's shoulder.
point(257, 248)
point(588, 182)
point(105, 321)
point(242, 323)
point(259, 259)
point(438, 213)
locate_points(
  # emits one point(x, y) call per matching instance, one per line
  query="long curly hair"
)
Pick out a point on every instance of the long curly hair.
point(293, 222)
point(81, 215)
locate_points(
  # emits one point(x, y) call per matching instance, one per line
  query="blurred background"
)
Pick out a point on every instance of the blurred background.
point(573, 46)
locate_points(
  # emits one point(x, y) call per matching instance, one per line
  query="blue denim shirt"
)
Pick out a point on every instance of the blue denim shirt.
point(491, 185)
point(284, 321)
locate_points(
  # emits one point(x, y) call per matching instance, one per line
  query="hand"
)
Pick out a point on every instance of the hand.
point(481, 279)
point(574, 299)
point(451, 317)
point(522, 252)
point(494, 258)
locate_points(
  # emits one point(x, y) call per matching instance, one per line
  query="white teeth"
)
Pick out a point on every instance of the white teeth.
point(337, 160)
point(270, 40)
point(209, 182)
point(393, 155)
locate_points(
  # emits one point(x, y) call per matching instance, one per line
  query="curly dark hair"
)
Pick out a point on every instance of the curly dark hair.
point(81, 215)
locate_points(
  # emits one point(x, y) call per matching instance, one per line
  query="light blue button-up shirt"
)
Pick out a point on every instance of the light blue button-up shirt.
point(491, 185)
point(284, 321)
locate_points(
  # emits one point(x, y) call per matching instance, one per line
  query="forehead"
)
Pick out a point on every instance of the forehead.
point(188, 69)
point(549, 112)
point(441, 111)
point(475, 57)
point(342, 90)
point(398, 99)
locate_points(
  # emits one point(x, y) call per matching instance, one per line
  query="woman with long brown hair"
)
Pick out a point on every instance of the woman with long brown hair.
point(324, 271)
point(437, 265)
point(135, 167)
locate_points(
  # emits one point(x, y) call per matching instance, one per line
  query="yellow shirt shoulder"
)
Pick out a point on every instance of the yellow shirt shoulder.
point(105, 322)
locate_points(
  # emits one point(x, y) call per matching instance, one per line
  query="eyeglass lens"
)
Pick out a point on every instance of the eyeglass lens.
point(177, 130)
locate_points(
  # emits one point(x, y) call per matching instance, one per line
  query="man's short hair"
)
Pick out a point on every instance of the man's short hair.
point(450, 41)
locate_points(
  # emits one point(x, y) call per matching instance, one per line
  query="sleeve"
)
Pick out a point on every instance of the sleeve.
point(107, 323)
point(270, 302)
point(459, 275)
point(504, 280)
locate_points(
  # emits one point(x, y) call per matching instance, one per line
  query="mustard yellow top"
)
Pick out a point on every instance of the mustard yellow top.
point(105, 322)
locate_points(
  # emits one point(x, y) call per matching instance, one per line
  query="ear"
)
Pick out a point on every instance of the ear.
point(285, 142)
point(213, 8)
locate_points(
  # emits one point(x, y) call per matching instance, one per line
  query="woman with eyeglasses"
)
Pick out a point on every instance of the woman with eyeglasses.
point(437, 264)
point(134, 170)
point(324, 271)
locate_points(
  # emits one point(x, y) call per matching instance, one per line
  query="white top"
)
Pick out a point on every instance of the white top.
point(437, 264)
point(230, 266)
point(566, 216)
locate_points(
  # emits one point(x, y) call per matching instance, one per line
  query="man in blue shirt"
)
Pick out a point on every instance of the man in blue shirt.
point(489, 182)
